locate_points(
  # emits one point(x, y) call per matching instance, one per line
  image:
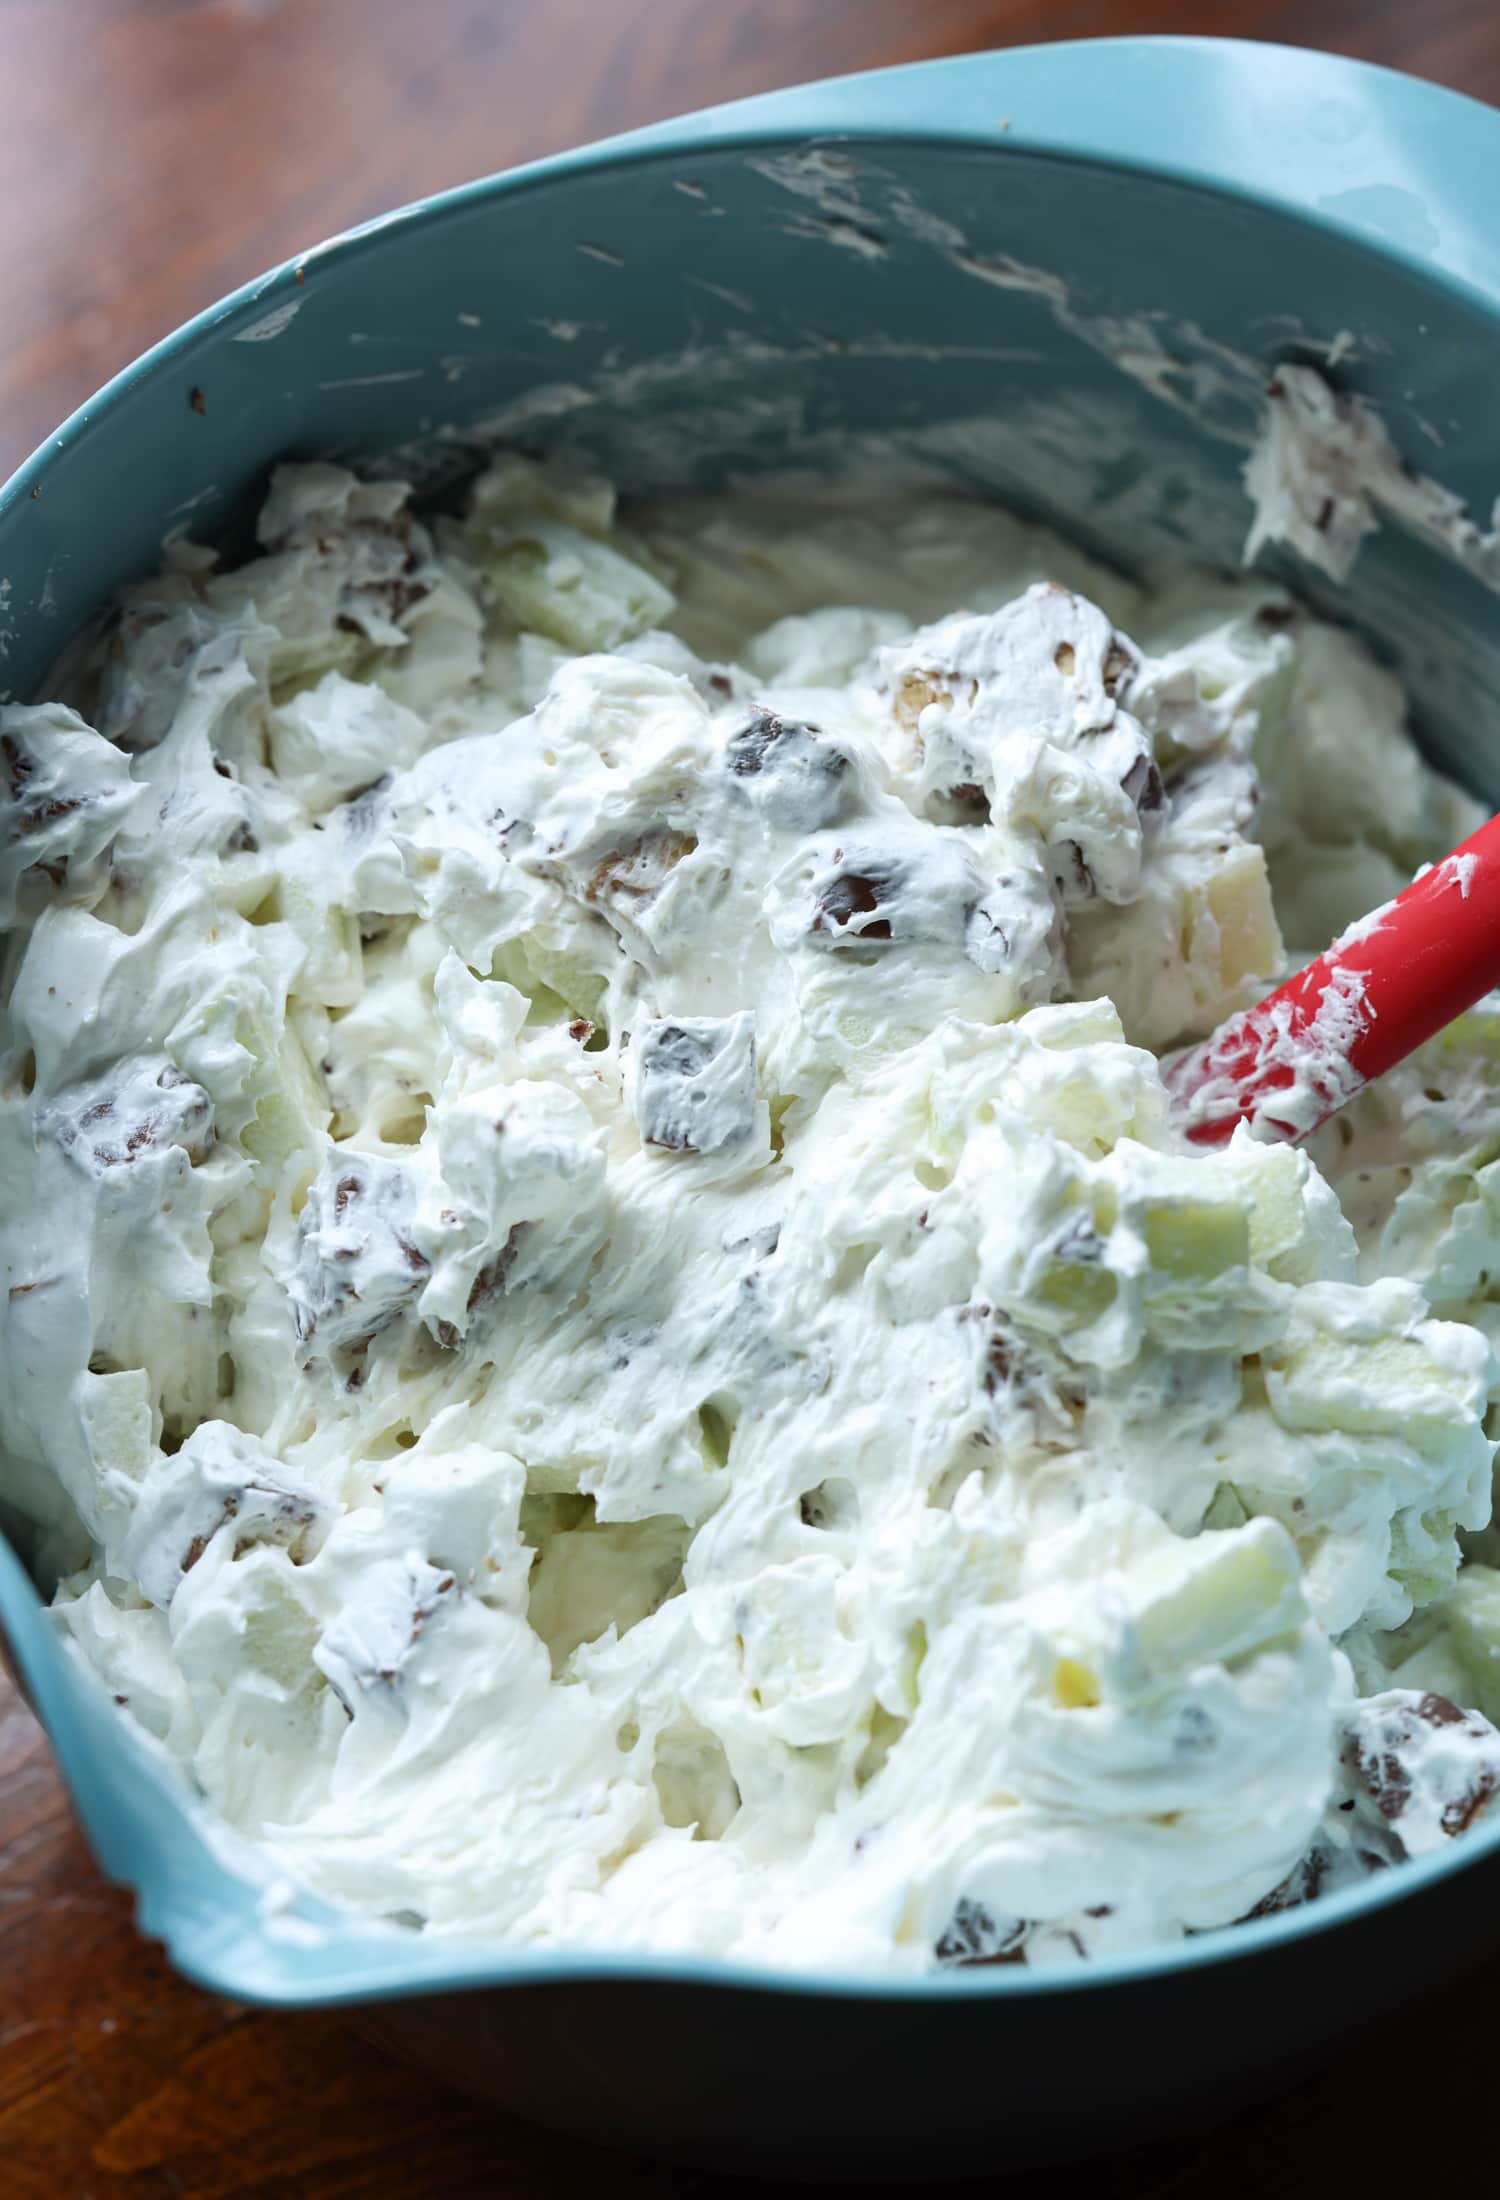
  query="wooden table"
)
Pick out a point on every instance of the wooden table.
point(155, 153)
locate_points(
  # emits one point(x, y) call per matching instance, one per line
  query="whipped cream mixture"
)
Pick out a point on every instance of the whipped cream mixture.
point(603, 1323)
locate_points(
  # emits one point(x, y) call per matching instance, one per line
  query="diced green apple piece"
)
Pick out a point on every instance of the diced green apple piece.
point(558, 582)
point(1079, 1291)
point(1238, 901)
point(1473, 1611)
point(1244, 1590)
point(290, 1116)
point(1191, 1241)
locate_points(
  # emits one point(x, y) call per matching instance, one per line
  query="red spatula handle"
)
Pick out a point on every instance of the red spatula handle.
point(1382, 989)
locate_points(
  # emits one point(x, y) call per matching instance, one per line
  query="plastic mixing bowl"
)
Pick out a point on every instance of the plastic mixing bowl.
point(1060, 276)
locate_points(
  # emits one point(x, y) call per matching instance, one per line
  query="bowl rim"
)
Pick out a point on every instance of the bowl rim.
point(1022, 100)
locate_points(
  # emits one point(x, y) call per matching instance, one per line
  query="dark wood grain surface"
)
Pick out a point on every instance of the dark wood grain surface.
point(153, 153)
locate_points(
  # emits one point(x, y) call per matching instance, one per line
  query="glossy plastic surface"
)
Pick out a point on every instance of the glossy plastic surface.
point(1058, 275)
point(1373, 997)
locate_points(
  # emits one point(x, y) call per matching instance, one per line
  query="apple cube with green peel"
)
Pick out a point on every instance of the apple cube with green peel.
point(293, 1115)
point(1234, 926)
point(563, 973)
point(1093, 1113)
point(1424, 1552)
point(1360, 1358)
point(514, 483)
point(1297, 1230)
point(1068, 1282)
point(1473, 1611)
point(1195, 1240)
point(1197, 1288)
point(558, 582)
point(1227, 1509)
point(1219, 1597)
point(1074, 1293)
point(300, 661)
point(332, 972)
point(1069, 1072)
point(115, 1409)
point(909, 1672)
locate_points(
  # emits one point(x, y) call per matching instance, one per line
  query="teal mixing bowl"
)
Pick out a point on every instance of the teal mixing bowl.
point(1060, 276)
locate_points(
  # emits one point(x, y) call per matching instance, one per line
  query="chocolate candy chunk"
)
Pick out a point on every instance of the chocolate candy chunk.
point(1303, 1883)
point(965, 804)
point(365, 1649)
point(489, 1283)
point(792, 772)
point(975, 1935)
point(691, 1082)
point(357, 1266)
point(362, 814)
point(746, 751)
point(1120, 665)
point(921, 687)
point(1143, 784)
point(138, 1109)
point(1070, 872)
point(388, 570)
point(262, 1512)
point(849, 904)
point(20, 767)
point(64, 794)
point(221, 1483)
point(1077, 1240)
point(1428, 1767)
point(639, 871)
point(152, 653)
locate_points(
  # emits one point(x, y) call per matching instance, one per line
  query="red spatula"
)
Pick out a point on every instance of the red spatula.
point(1386, 985)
